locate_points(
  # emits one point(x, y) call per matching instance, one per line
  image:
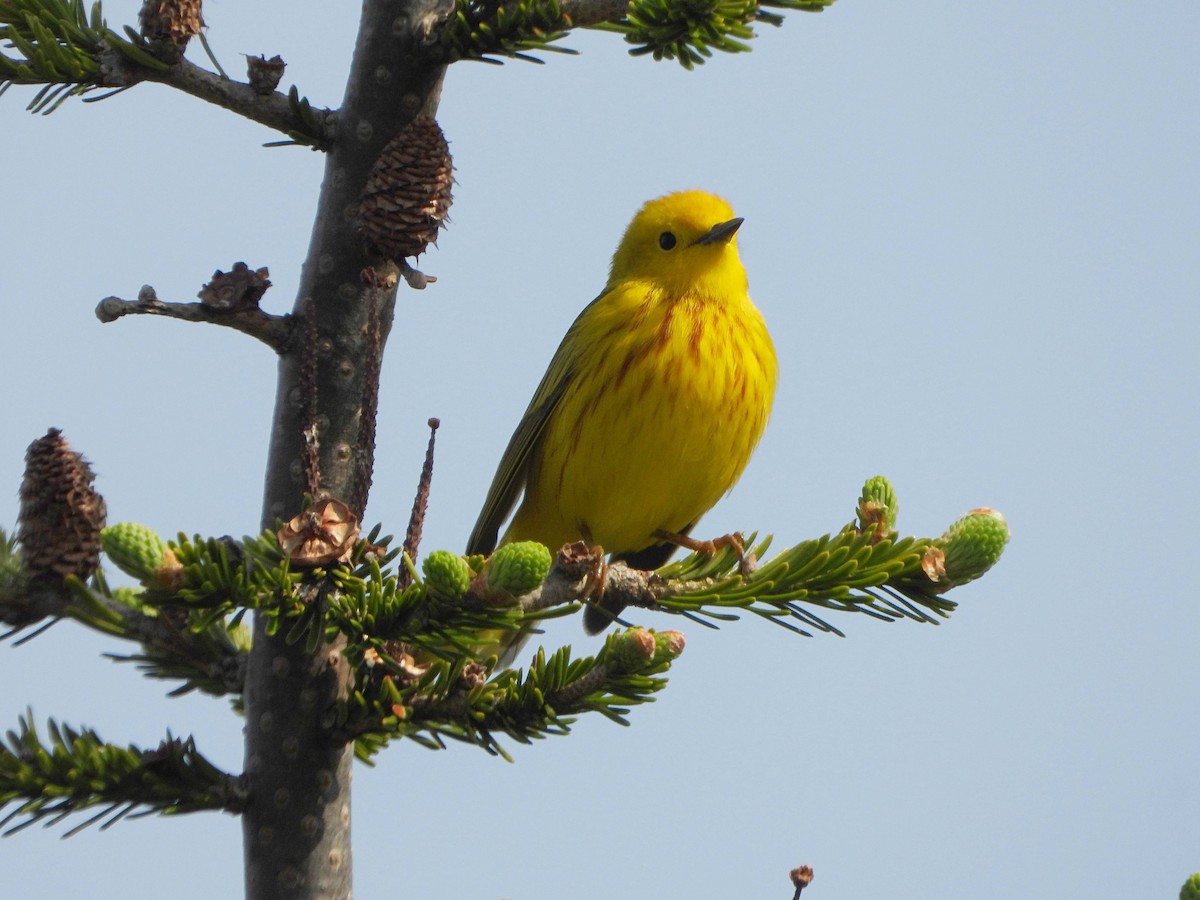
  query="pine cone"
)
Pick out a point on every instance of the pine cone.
point(407, 195)
point(61, 515)
point(173, 21)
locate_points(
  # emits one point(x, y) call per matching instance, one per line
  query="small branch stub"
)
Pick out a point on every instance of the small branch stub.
point(264, 74)
point(408, 192)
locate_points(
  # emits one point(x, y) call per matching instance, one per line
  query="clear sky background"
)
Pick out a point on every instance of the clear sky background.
point(974, 230)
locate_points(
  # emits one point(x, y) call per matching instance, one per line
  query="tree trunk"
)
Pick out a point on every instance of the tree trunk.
point(297, 821)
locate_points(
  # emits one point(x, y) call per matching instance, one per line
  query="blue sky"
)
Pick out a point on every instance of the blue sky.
point(973, 231)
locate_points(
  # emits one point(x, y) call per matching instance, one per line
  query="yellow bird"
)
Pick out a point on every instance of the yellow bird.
point(652, 404)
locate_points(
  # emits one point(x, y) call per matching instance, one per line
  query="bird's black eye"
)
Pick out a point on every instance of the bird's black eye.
point(666, 240)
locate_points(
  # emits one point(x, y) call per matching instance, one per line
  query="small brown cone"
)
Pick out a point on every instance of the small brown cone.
point(264, 74)
point(61, 515)
point(407, 195)
point(173, 21)
point(802, 877)
point(325, 532)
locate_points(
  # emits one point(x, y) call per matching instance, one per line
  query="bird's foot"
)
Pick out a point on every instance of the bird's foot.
point(746, 561)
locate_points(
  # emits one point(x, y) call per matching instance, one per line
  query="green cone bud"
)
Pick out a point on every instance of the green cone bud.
point(518, 568)
point(973, 544)
point(446, 574)
point(631, 650)
point(878, 507)
point(1191, 888)
point(134, 549)
point(668, 645)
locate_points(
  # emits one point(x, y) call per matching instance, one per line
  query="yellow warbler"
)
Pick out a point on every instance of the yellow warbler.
point(652, 404)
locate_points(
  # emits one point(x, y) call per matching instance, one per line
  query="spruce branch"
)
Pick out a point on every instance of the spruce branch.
point(688, 31)
point(288, 113)
point(484, 29)
point(202, 648)
point(76, 770)
point(420, 652)
point(69, 51)
point(684, 30)
point(397, 697)
point(59, 45)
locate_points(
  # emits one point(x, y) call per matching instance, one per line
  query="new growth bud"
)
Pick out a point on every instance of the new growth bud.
point(970, 547)
point(632, 649)
point(446, 574)
point(635, 649)
point(517, 569)
point(877, 508)
point(134, 549)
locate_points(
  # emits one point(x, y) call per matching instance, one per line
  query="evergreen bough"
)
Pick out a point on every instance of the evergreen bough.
point(418, 648)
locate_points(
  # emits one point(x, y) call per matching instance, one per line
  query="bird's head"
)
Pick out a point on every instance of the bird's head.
point(684, 242)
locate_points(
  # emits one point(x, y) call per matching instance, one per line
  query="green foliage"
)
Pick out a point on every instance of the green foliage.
point(420, 661)
point(690, 30)
point(422, 654)
point(310, 126)
point(373, 608)
point(229, 577)
point(203, 649)
point(684, 30)
point(867, 568)
point(1191, 888)
point(847, 572)
point(443, 700)
point(76, 770)
point(481, 29)
point(61, 44)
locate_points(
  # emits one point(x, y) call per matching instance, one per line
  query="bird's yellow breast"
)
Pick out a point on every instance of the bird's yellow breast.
point(669, 395)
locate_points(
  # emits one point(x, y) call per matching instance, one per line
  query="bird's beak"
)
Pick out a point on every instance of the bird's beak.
point(719, 233)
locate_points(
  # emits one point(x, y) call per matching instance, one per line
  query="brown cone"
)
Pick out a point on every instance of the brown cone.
point(175, 21)
point(61, 515)
point(407, 195)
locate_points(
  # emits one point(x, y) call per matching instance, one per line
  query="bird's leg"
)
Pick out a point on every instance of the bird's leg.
point(593, 583)
point(746, 561)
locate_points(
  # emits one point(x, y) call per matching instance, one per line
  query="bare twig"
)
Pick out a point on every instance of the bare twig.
point(274, 331)
point(568, 582)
